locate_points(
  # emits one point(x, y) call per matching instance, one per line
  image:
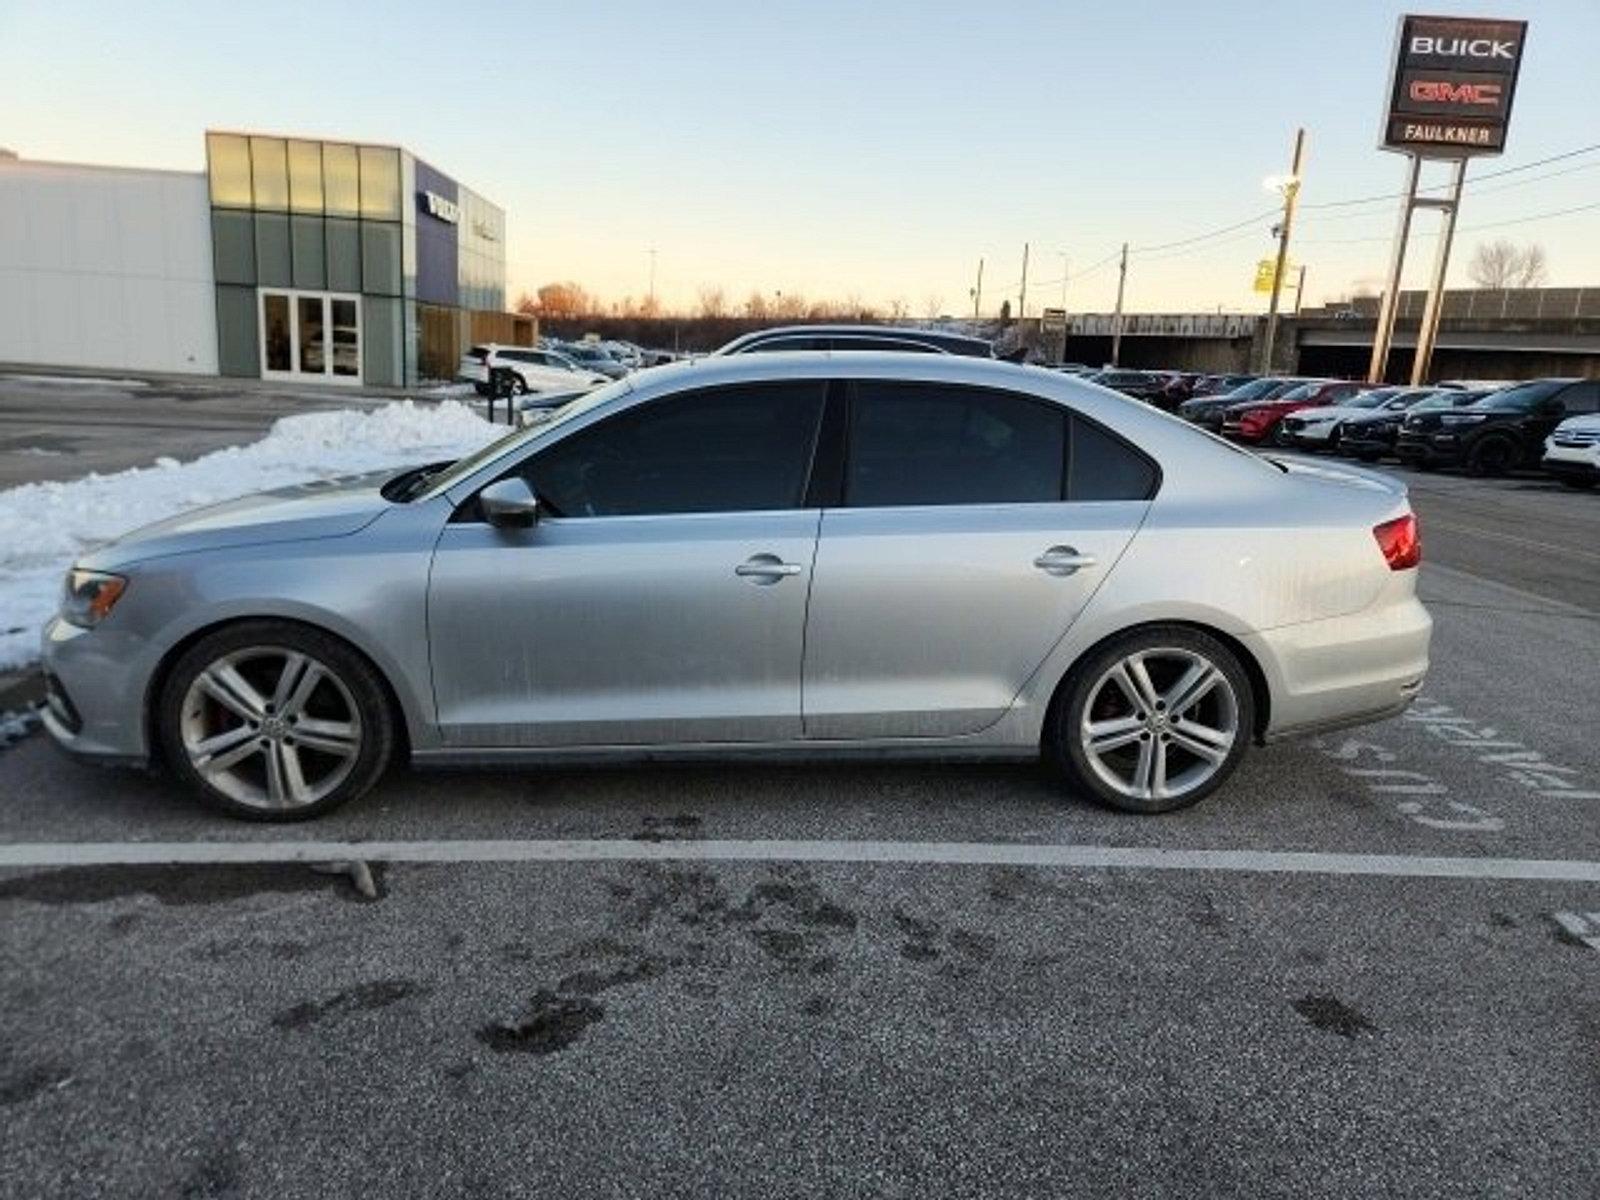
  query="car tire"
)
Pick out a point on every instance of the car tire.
point(1576, 482)
point(1111, 763)
point(1492, 455)
point(275, 721)
point(1367, 456)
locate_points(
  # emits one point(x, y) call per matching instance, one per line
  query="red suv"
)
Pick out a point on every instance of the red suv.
point(1258, 421)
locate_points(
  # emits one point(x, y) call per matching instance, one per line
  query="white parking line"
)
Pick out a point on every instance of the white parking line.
point(1134, 858)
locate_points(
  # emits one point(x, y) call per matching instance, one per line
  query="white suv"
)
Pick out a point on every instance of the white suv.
point(1572, 451)
point(531, 370)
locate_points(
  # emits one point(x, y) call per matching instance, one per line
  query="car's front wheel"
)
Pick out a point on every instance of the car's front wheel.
point(274, 721)
point(1154, 720)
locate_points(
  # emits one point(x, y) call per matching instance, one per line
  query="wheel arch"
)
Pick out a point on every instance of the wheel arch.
point(163, 671)
point(1260, 690)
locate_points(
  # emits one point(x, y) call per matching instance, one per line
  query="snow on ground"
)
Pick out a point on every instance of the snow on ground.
point(45, 526)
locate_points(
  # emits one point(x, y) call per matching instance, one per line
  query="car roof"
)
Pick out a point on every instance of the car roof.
point(931, 337)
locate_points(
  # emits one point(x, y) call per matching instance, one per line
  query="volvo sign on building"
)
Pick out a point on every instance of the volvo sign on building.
point(1451, 89)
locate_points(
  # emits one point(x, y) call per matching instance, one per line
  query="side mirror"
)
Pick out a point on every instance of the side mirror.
point(509, 503)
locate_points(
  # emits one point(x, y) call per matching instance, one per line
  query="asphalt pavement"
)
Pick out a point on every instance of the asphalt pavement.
point(858, 980)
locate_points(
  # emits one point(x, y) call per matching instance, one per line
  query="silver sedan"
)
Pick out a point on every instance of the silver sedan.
point(812, 555)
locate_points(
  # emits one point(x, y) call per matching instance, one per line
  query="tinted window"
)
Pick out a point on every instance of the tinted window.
point(1104, 467)
point(857, 343)
point(783, 343)
point(930, 443)
point(1522, 397)
point(1582, 398)
point(734, 449)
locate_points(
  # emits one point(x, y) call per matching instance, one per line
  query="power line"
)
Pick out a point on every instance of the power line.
point(1523, 220)
point(1200, 237)
point(1540, 162)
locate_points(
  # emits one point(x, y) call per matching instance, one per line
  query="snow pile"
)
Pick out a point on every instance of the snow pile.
point(44, 526)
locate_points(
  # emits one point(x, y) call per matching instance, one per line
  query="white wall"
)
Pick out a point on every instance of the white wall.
point(107, 268)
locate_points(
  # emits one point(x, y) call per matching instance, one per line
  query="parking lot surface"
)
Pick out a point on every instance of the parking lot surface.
point(774, 980)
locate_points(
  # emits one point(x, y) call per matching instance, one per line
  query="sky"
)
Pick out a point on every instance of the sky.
point(868, 150)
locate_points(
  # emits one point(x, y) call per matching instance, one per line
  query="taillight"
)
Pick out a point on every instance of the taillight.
point(1400, 542)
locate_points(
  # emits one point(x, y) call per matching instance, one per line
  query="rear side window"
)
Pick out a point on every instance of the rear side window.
point(1581, 398)
point(744, 448)
point(771, 345)
point(862, 343)
point(934, 444)
point(1104, 467)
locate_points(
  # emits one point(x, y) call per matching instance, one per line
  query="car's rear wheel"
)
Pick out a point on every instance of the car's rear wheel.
point(273, 721)
point(1155, 720)
point(1492, 456)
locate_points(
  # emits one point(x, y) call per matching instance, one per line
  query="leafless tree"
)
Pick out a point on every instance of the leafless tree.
point(1503, 264)
point(933, 306)
point(712, 302)
point(899, 309)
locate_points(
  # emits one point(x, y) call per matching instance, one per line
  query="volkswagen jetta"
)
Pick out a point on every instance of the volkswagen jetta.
point(788, 555)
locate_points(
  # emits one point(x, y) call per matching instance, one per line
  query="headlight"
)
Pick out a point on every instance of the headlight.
point(90, 596)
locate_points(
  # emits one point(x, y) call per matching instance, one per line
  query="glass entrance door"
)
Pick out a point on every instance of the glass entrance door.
point(310, 336)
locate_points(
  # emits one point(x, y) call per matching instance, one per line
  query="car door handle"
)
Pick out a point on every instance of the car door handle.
point(766, 568)
point(1063, 560)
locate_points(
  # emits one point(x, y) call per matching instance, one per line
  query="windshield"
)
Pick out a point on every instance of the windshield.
point(463, 467)
point(1367, 399)
point(1303, 392)
point(1252, 390)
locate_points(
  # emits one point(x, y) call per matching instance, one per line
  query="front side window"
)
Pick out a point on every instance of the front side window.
point(930, 443)
point(745, 448)
point(1581, 398)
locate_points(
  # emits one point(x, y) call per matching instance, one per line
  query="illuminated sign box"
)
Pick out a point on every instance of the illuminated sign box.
point(1452, 85)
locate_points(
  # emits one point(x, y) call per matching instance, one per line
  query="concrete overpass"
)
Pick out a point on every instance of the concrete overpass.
point(1484, 334)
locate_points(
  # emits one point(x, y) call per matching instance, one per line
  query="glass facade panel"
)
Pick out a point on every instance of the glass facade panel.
point(233, 244)
point(380, 183)
point(305, 234)
point(380, 342)
point(238, 339)
point(344, 255)
point(269, 172)
point(228, 163)
point(305, 177)
point(341, 180)
point(274, 261)
point(275, 331)
point(380, 258)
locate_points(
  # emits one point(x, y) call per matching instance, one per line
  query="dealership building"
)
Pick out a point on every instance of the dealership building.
point(288, 259)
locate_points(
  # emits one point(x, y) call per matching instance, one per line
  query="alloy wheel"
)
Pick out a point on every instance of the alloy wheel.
point(271, 728)
point(1159, 723)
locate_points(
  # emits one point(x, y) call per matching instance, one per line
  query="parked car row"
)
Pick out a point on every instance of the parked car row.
point(1485, 430)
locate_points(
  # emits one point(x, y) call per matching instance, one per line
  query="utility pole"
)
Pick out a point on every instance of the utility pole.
point(1065, 265)
point(977, 292)
point(1291, 195)
point(1300, 290)
point(1022, 296)
point(1116, 320)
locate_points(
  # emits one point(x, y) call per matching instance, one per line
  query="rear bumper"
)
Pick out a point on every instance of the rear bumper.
point(1347, 670)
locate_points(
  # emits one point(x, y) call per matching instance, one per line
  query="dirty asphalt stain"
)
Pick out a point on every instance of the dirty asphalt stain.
point(667, 829)
point(553, 1023)
point(178, 886)
point(380, 993)
point(1331, 1014)
point(23, 1086)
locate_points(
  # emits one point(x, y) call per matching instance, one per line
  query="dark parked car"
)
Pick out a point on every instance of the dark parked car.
point(1141, 385)
point(1499, 433)
point(1215, 385)
point(1372, 436)
point(858, 337)
point(1208, 411)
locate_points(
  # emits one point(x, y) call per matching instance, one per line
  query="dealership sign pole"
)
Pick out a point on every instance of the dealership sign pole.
point(1449, 99)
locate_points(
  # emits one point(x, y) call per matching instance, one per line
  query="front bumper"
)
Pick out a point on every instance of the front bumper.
point(1316, 437)
point(94, 699)
point(1571, 464)
point(1427, 447)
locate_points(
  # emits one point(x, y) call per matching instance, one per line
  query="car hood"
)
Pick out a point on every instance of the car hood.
point(1587, 421)
point(1323, 412)
point(321, 509)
